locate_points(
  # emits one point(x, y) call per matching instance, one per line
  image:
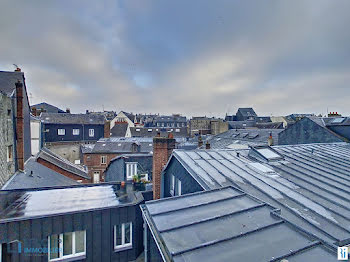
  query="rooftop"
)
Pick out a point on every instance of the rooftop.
point(36, 175)
point(49, 202)
point(67, 118)
point(205, 226)
point(8, 81)
point(47, 108)
point(309, 183)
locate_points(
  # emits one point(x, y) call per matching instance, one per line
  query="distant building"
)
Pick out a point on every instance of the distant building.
point(174, 121)
point(74, 223)
point(98, 156)
point(126, 167)
point(316, 130)
point(297, 117)
point(37, 109)
point(109, 115)
point(63, 127)
point(15, 142)
point(153, 131)
point(244, 114)
point(206, 125)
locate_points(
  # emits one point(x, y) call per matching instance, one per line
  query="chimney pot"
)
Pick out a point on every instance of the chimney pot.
point(207, 145)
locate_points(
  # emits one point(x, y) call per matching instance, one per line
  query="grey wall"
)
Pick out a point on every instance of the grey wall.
point(306, 131)
point(188, 184)
point(26, 119)
point(99, 226)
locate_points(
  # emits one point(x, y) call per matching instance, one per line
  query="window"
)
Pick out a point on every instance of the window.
point(61, 132)
point(91, 132)
point(103, 159)
point(177, 130)
point(123, 236)
point(131, 170)
point(178, 188)
point(76, 132)
point(96, 178)
point(172, 185)
point(67, 245)
point(9, 153)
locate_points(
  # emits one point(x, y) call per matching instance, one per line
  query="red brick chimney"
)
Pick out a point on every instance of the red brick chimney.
point(107, 129)
point(162, 149)
point(19, 125)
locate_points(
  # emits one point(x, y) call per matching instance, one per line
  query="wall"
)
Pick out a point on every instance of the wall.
point(188, 184)
point(93, 163)
point(306, 131)
point(51, 135)
point(26, 125)
point(6, 138)
point(99, 226)
point(70, 151)
point(218, 126)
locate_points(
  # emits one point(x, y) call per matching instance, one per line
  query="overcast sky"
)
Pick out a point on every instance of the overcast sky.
point(194, 57)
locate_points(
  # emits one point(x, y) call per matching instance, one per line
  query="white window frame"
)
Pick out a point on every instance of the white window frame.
point(123, 245)
point(103, 160)
point(99, 177)
point(76, 132)
point(91, 132)
point(9, 153)
point(61, 132)
point(60, 247)
point(131, 170)
point(172, 185)
point(178, 187)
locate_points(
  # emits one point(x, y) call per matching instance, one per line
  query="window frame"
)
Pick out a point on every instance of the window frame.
point(129, 166)
point(9, 155)
point(99, 176)
point(76, 133)
point(103, 160)
point(178, 187)
point(91, 132)
point(172, 185)
point(123, 246)
point(61, 257)
point(61, 133)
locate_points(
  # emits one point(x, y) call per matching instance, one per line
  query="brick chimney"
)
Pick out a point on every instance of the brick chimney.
point(19, 125)
point(207, 145)
point(68, 110)
point(34, 112)
point(107, 129)
point(200, 141)
point(270, 140)
point(162, 149)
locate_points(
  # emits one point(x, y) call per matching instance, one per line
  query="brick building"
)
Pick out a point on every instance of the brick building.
point(205, 126)
point(97, 157)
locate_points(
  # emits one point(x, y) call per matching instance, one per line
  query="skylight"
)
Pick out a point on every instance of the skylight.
point(338, 120)
point(268, 153)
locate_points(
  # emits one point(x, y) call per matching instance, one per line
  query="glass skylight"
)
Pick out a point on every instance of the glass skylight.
point(338, 120)
point(268, 153)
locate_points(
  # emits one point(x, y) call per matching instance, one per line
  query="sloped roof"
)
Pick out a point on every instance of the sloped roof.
point(228, 225)
point(48, 108)
point(152, 131)
point(250, 137)
point(62, 163)
point(247, 111)
point(8, 81)
point(36, 175)
point(310, 184)
point(66, 118)
point(119, 129)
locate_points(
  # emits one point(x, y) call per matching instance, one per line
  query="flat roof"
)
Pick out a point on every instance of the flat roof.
point(228, 225)
point(49, 202)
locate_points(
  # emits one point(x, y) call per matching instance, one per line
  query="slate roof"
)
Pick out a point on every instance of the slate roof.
point(120, 145)
point(228, 225)
point(241, 124)
point(66, 118)
point(119, 129)
point(246, 111)
point(36, 175)
point(309, 183)
point(173, 118)
point(58, 201)
point(47, 108)
point(63, 163)
point(252, 137)
point(152, 131)
point(8, 81)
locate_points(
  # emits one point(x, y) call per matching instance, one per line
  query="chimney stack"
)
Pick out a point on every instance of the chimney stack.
point(162, 149)
point(200, 141)
point(18, 69)
point(68, 110)
point(107, 129)
point(270, 140)
point(207, 145)
point(34, 112)
point(19, 125)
